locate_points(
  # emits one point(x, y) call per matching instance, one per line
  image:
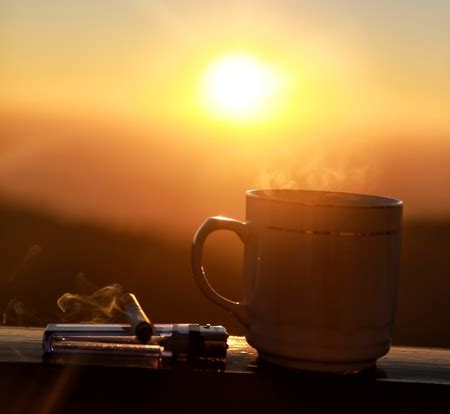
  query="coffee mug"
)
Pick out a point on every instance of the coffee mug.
point(320, 276)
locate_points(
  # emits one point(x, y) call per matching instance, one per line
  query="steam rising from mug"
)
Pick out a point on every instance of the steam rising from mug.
point(319, 175)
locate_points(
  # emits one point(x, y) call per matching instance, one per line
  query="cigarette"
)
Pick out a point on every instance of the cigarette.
point(140, 324)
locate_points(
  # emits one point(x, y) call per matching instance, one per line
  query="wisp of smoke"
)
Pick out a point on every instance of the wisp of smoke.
point(32, 254)
point(99, 307)
point(16, 312)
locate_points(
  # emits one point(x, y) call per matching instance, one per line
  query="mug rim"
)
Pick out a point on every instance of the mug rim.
point(378, 201)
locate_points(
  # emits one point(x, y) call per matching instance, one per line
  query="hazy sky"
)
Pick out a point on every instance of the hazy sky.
point(364, 106)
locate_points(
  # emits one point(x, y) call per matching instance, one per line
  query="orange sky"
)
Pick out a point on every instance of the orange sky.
point(350, 64)
point(101, 112)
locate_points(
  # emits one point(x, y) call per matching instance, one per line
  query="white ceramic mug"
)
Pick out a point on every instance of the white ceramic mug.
point(320, 270)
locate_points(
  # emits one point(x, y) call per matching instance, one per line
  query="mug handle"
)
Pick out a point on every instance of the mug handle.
point(238, 309)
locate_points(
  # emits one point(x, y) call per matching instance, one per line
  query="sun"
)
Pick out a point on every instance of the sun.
point(238, 87)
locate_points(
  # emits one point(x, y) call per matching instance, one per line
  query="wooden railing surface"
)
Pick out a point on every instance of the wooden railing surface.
point(407, 380)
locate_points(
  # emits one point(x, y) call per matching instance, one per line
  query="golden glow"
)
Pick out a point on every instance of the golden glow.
point(239, 87)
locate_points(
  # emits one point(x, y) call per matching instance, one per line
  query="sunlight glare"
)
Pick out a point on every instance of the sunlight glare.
point(238, 87)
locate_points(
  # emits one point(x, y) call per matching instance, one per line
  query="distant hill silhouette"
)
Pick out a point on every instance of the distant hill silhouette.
point(143, 175)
